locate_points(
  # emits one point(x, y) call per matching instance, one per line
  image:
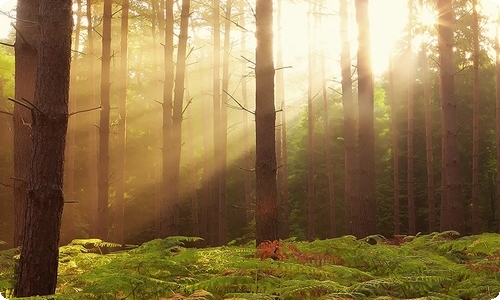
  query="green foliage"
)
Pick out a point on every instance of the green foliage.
point(423, 268)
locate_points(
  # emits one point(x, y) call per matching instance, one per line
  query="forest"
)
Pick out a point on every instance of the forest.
point(213, 123)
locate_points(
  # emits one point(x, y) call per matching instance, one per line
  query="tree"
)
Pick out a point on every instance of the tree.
point(395, 150)
point(350, 159)
point(411, 127)
point(476, 225)
point(452, 212)
point(25, 77)
point(497, 116)
point(364, 219)
point(267, 211)
point(103, 173)
point(122, 130)
point(39, 253)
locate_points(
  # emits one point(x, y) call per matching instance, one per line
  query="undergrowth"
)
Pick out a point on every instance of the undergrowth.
point(435, 266)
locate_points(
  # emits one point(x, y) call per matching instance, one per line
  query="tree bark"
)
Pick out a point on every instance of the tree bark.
point(364, 214)
point(25, 76)
point(350, 159)
point(454, 212)
point(476, 223)
point(497, 109)
point(267, 211)
point(411, 126)
point(39, 253)
point(395, 151)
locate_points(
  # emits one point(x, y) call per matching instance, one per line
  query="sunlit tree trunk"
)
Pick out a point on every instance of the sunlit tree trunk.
point(167, 207)
point(223, 126)
point(25, 76)
point(267, 210)
point(69, 166)
point(428, 135)
point(311, 205)
point(92, 130)
point(39, 252)
point(395, 150)
point(497, 85)
point(249, 212)
point(476, 225)
point(122, 129)
point(452, 214)
point(364, 214)
point(207, 177)
point(411, 121)
point(193, 176)
point(176, 140)
point(103, 174)
point(350, 159)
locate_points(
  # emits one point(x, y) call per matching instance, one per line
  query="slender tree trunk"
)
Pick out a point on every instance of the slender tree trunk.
point(207, 176)
point(428, 135)
point(364, 215)
point(122, 129)
point(497, 83)
point(195, 220)
point(395, 150)
point(39, 253)
point(454, 219)
point(311, 205)
point(223, 133)
point(174, 183)
point(411, 121)
point(476, 223)
point(215, 209)
point(92, 170)
point(69, 165)
point(267, 211)
point(25, 76)
point(350, 159)
point(103, 174)
point(167, 209)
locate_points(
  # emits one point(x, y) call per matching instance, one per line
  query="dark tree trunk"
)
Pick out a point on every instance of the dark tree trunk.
point(350, 159)
point(39, 253)
point(267, 210)
point(364, 213)
point(395, 151)
point(103, 174)
point(454, 218)
point(411, 121)
point(122, 129)
point(476, 223)
point(25, 76)
point(497, 108)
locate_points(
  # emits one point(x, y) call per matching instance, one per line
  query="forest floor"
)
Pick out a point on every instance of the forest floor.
point(434, 266)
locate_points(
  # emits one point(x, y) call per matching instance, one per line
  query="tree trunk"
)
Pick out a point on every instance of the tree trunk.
point(122, 129)
point(103, 174)
point(25, 76)
point(215, 209)
point(39, 253)
point(350, 159)
point(311, 199)
point(195, 220)
point(411, 121)
point(167, 208)
point(223, 134)
point(497, 88)
point(267, 210)
point(364, 214)
point(395, 150)
point(476, 223)
point(454, 219)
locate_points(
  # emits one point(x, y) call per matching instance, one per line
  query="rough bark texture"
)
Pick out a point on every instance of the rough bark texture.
point(267, 211)
point(103, 173)
point(364, 220)
point(25, 69)
point(411, 121)
point(122, 129)
point(350, 159)
point(453, 217)
point(476, 225)
point(39, 253)
point(395, 151)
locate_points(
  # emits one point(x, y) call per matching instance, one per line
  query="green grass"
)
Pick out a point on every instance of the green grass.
point(434, 266)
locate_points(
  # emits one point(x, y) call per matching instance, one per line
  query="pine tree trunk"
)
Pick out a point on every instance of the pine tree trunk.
point(497, 88)
point(122, 129)
point(411, 121)
point(267, 211)
point(25, 76)
point(103, 174)
point(476, 223)
point(395, 150)
point(350, 159)
point(364, 214)
point(454, 219)
point(39, 253)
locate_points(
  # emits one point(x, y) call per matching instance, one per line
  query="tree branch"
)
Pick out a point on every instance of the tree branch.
point(241, 106)
point(84, 110)
point(6, 44)
point(6, 113)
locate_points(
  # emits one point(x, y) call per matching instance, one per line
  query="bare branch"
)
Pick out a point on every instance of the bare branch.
point(241, 106)
point(253, 63)
point(6, 113)
point(84, 110)
point(281, 68)
point(187, 104)
point(20, 103)
point(6, 44)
